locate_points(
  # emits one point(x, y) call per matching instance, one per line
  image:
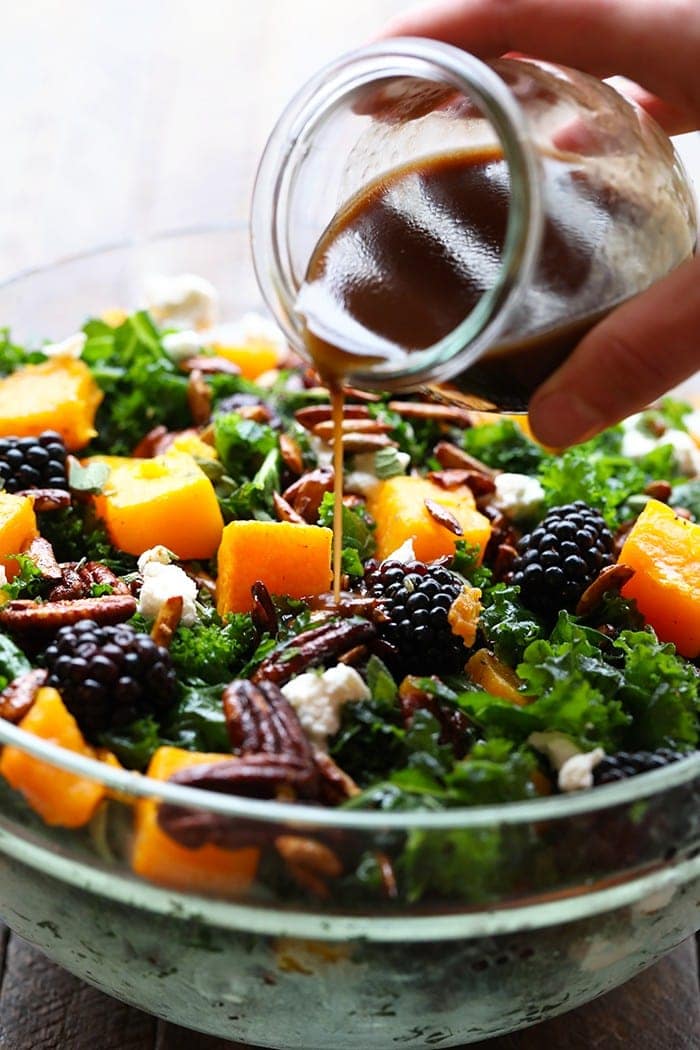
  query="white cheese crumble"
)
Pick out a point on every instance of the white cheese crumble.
point(517, 495)
point(405, 553)
point(638, 442)
point(162, 580)
point(181, 345)
point(73, 346)
point(557, 747)
point(318, 699)
point(362, 477)
point(185, 300)
point(3, 576)
point(577, 772)
point(321, 450)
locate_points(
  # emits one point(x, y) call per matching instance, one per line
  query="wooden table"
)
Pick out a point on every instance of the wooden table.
point(122, 117)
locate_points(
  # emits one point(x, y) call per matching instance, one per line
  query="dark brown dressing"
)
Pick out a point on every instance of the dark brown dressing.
point(409, 257)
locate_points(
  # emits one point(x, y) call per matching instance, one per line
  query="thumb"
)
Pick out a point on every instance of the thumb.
point(636, 354)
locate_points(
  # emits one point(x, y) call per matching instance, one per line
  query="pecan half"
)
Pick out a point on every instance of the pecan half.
point(312, 647)
point(167, 620)
point(354, 442)
point(199, 397)
point(260, 720)
point(503, 562)
point(47, 500)
point(291, 453)
point(209, 364)
point(660, 490)
point(78, 579)
point(25, 617)
point(451, 414)
point(611, 578)
point(17, 698)
point(312, 415)
point(41, 553)
point(309, 862)
point(304, 496)
point(264, 614)
point(156, 441)
point(335, 786)
point(285, 511)
point(350, 603)
point(480, 484)
point(326, 429)
point(451, 456)
point(443, 517)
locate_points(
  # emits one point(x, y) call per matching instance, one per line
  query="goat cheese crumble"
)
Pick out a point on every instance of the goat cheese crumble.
point(187, 300)
point(517, 495)
point(73, 346)
point(163, 580)
point(319, 698)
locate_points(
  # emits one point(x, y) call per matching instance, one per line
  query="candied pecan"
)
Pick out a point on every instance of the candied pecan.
point(480, 484)
point(502, 532)
point(167, 620)
point(17, 698)
point(354, 656)
point(258, 413)
point(660, 490)
point(329, 641)
point(312, 415)
point(326, 429)
point(26, 617)
point(451, 456)
point(350, 603)
point(611, 578)
point(264, 615)
point(387, 875)
point(354, 443)
point(154, 443)
point(47, 500)
point(291, 453)
point(284, 510)
point(41, 553)
point(309, 862)
point(78, 579)
point(260, 720)
point(305, 495)
point(450, 414)
point(503, 561)
point(443, 517)
point(334, 784)
point(204, 581)
point(199, 397)
point(209, 364)
point(361, 395)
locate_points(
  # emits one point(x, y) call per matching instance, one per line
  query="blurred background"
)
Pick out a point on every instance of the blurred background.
point(122, 118)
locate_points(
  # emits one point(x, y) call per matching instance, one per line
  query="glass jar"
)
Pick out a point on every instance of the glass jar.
point(594, 207)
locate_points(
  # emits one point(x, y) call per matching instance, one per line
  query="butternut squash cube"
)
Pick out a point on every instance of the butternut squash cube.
point(253, 357)
point(289, 559)
point(167, 500)
point(59, 394)
point(17, 529)
point(160, 859)
point(398, 507)
point(59, 797)
point(664, 552)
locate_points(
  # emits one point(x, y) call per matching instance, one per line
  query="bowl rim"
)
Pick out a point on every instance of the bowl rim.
point(138, 785)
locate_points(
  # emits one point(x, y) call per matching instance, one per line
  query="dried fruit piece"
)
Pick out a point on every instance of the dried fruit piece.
point(495, 677)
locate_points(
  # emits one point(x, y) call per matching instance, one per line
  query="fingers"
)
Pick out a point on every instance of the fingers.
point(654, 43)
point(633, 356)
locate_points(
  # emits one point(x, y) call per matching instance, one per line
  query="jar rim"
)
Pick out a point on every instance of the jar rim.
point(270, 234)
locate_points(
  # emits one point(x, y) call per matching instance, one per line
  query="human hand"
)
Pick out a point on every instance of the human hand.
point(652, 342)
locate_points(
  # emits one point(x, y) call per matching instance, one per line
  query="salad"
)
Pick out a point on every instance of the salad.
point(514, 622)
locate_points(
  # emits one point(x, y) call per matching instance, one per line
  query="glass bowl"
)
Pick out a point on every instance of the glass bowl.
point(517, 912)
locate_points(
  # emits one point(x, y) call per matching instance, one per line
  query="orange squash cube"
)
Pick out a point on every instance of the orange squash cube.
point(59, 394)
point(17, 529)
point(398, 507)
point(664, 551)
point(289, 559)
point(167, 500)
point(59, 797)
point(253, 358)
point(160, 859)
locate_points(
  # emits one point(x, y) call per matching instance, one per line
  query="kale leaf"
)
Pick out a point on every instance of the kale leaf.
point(358, 535)
point(503, 446)
point(213, 652)
point(506, 624)
point(14, 356)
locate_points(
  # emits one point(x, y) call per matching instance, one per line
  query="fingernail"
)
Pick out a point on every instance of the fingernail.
point(559, 419)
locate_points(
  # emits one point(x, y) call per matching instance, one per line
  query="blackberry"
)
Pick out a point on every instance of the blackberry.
point(109, 676)
point(33, 462)
point(416, 598)
point(629, 763)
point(562, 557)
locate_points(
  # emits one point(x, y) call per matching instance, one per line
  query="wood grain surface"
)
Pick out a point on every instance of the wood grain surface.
point(125, 117)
